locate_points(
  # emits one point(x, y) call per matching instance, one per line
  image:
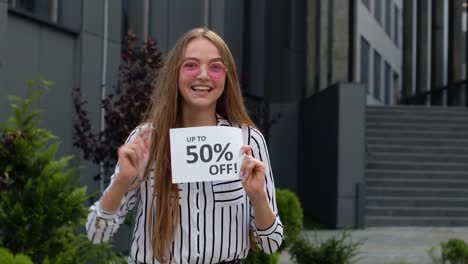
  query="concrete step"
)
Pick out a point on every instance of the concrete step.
point(416, 183)
point(405, 149)
point(436, 119)
point(417, 157)
point(417, 126)
point(416, 221)
point(426, 134)
point(416, 211)
point(411, 141)
point(419, 174)
point(417, 165)
point(417, 192)
point(406, 201)
point(417, 110)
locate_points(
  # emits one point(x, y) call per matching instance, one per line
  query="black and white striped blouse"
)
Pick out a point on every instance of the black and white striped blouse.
point(215, 217)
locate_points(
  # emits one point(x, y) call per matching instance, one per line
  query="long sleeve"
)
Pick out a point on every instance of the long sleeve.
point(269, 240)
point(101, 225)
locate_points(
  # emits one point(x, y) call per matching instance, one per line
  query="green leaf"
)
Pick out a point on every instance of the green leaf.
point(15, 99)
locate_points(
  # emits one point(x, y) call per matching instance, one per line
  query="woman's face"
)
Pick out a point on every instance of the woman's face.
point(202, 75)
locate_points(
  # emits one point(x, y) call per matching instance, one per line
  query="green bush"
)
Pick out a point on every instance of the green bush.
point(455, 251)
point(256, 256)
point(41, 205)
point(291, 214)
point(6, 257)
point(335, 250)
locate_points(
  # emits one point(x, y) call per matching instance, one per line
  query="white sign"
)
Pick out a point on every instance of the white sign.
point(206, 153)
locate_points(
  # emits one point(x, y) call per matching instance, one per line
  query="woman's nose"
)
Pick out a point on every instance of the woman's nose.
point(203, 74)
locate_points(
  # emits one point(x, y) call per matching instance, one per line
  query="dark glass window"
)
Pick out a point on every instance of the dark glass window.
point(388, 17)
point(44, 9)
point(378, 10)
point(366, 3)
point(396, 26)
point(377, 74)
point(66, 13)
point(387, 82)
point(365, 50)
point(396, 85)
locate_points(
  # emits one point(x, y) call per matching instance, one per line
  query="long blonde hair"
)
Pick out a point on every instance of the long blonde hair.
point(165, 113)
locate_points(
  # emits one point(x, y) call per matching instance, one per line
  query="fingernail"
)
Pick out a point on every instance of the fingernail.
point(242, 174)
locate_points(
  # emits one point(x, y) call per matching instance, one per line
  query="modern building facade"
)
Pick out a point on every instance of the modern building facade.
point(286, 52)
point(434, 52)
point(379, 49)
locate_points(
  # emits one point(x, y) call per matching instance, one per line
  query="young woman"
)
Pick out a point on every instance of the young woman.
point(202, 222)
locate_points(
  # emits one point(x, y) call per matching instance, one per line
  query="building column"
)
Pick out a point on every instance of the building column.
point(139, 19)
point(312, 29)
point(341, 41)
point(329, 41)
point(255, 67)
point(456, 39)
point(296, 50)
point(324, 78)
point(3, 44)
point(409, 48)
point(438, 67)
point(423, 52)
point(465, 63)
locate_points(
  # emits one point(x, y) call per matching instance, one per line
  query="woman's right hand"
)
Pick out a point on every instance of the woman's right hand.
point(133, 158)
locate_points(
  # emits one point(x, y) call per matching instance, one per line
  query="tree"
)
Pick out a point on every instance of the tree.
point(41, 205)
point(124, 108)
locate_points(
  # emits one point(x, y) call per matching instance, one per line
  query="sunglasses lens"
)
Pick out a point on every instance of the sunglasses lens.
point(216, 70)
point(190, 69)
point(193, 69)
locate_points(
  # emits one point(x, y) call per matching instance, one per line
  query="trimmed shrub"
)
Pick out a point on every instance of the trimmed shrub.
point(291, 214)
point(335, 250)
point(41, 205)
point(455, 251)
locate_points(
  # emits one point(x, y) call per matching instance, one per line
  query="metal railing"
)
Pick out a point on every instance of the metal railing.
point(444, 95)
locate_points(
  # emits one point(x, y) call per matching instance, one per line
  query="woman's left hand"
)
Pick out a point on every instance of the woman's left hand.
point(252, 173)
